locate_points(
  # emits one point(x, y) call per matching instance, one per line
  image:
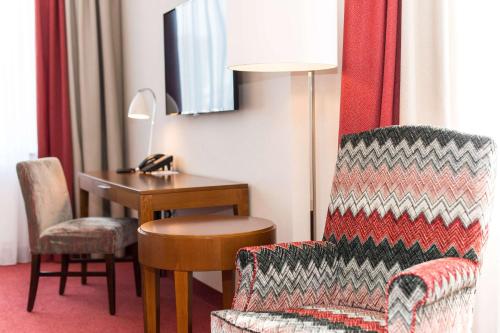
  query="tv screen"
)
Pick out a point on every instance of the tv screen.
point(196, 76)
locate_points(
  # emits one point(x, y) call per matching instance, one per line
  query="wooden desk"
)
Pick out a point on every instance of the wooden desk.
point(148, 193)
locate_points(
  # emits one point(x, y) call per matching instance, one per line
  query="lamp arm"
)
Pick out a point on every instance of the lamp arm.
point(153, 116)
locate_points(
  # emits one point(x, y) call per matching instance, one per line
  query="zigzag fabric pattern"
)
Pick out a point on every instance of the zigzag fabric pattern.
point(305, 319)
point(406, 195)
point(403, 239)
point(446, 284)
point(451, 314)
point(284, 276)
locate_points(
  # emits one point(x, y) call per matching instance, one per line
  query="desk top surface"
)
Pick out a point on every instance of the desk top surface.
point(150, 184)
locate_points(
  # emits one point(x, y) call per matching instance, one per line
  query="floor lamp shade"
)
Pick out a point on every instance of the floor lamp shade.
point(281, 35)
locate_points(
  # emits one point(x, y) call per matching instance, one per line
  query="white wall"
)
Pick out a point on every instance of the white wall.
point(264, 144)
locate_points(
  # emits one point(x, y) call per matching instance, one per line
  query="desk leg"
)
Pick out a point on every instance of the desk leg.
point(151, 299)
point(84, 203)
point(241, 208)
point(146, 213)
point(183, 290)
point(227, 289)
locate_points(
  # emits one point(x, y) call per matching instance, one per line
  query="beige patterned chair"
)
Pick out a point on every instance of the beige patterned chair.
point(54, 230)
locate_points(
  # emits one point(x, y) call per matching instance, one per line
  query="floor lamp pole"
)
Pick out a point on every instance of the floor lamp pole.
point(312, 119)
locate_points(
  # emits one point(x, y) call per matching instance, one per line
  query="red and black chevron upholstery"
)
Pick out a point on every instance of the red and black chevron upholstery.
point(402, 242)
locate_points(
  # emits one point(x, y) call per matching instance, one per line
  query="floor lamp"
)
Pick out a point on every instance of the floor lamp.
point(285, 36)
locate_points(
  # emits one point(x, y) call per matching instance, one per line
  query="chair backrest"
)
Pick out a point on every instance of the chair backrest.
point(45, 196)
point(404, 195)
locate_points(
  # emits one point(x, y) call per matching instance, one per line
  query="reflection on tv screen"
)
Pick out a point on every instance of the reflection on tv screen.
point(196, 76)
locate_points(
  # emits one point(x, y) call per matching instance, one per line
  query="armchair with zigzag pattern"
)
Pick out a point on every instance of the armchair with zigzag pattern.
point(401, 248)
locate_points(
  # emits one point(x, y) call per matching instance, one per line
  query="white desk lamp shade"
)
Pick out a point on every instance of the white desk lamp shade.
point(281, 35)
point(139, 108)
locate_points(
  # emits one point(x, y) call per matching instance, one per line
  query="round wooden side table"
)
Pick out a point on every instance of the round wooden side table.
point(194, 243)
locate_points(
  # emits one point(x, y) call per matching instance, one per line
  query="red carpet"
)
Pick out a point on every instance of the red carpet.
point(85, 308)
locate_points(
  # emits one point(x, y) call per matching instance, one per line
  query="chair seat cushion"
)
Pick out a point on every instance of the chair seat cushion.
point(305, 319)
point(103, 235)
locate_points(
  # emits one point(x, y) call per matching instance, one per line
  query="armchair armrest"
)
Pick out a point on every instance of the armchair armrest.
point(285, 275)
point(435, 296)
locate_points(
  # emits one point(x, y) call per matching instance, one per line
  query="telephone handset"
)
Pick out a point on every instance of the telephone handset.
point(151, 163)
point(155, 161)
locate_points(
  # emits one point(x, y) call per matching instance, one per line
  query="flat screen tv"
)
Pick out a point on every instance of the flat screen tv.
point(196, 76)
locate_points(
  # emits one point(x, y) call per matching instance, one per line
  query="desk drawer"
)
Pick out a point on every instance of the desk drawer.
point(110, 192)
point(101, 189)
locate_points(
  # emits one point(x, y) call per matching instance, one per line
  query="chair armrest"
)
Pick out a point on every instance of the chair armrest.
point(433, 296)
point(285, 275)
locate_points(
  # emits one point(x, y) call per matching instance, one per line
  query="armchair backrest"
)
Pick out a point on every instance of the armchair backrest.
point(404, 195)
point(45, 194)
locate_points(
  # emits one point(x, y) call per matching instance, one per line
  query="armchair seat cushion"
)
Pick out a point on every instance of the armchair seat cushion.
point(89, 235)
point(303, 319)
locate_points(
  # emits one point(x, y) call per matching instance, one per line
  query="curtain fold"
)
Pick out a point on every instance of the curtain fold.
point(96, 88)
point(427, 76)
point(53, 117)
point(370, 65)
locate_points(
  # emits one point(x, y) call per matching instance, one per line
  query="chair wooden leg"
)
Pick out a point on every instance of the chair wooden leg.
point(137, 271)
point(64, 272)
point(84, 269)
point(35, 276)
point(110, 277)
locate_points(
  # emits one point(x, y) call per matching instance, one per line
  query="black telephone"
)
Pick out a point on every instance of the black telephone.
point(155, 161)
point(151, 163)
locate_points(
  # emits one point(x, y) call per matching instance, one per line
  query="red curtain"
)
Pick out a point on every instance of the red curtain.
point(53, 115)
point(370, 65)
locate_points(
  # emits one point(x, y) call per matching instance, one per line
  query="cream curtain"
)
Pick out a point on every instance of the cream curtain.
point(450, 67)
point(96, 87)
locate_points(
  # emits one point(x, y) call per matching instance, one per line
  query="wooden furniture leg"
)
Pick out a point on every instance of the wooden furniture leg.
point(35, 276)
point(137, 270)
point(84, 268)
point(151, 299)
point(110, 279)
point(227, 288)
point(242, 208)
point(183, 291)
point(64, 273)
point(146, 213)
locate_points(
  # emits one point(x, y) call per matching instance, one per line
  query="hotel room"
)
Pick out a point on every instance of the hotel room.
point(231, 166)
